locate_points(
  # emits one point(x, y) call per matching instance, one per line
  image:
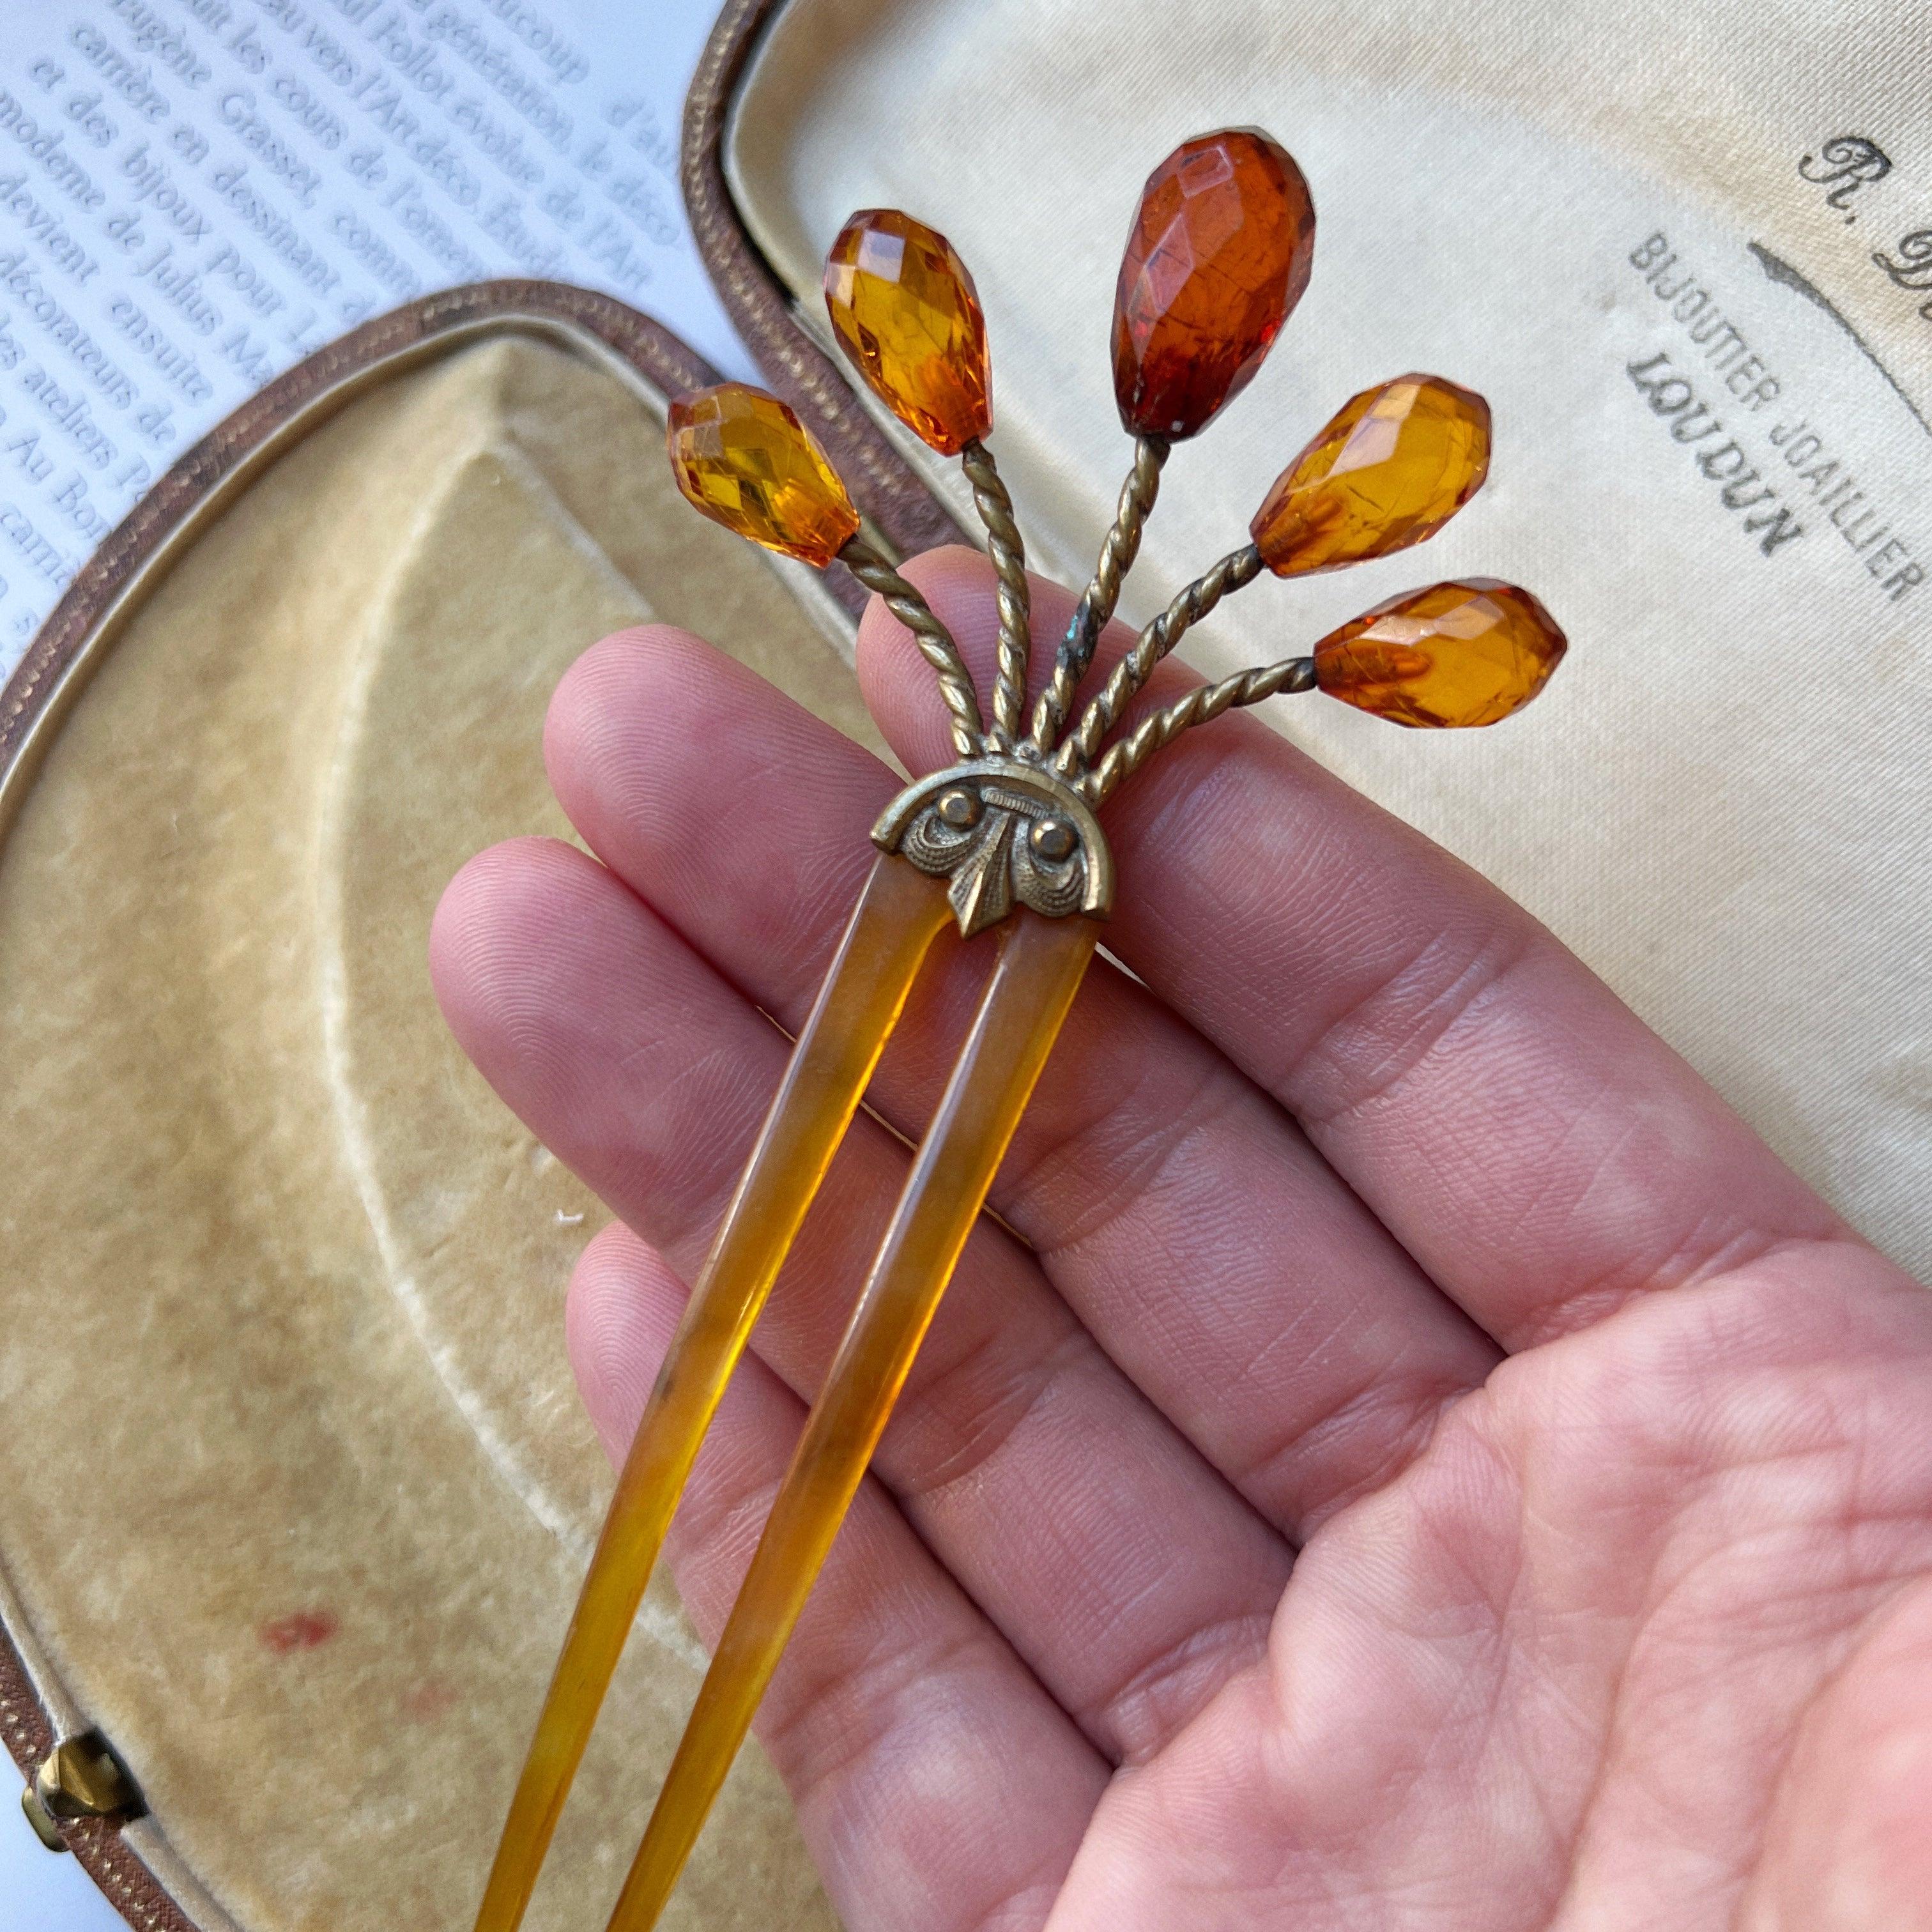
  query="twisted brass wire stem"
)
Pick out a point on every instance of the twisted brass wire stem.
point(1008, 551)
point(1097, 601)
point(1189, 606)
point(1203, 703)
point(934, 639)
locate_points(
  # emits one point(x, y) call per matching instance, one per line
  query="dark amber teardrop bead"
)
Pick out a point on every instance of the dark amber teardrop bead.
point(906, 314)
point(1220, 254)
point(1397, 462)
point(744, 459)
point(1457, 654)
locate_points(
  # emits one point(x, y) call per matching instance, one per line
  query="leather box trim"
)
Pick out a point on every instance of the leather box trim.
point(111, 586)
point(890, 490)
point(113, 1864)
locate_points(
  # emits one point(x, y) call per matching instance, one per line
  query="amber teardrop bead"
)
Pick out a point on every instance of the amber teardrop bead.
point(1220, 254)
point(1457, 654)
point(905, 313)
point(744, 459)
point(1393, 467)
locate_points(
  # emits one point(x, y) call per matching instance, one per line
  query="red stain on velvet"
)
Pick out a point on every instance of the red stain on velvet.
point(424, 1703)
point(301, 1630)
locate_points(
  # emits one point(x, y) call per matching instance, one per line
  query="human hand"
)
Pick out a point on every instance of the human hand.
point(1369, 1227)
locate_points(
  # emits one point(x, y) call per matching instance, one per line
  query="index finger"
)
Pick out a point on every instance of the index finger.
point(1532, 1143)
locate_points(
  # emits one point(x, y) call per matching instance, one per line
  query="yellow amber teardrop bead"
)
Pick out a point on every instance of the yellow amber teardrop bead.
point(905, 313)
point(1391, 469)
point(744, 459)
point(1457, 654)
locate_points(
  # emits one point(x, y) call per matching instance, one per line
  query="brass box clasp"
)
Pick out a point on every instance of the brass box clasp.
point(80, 1777)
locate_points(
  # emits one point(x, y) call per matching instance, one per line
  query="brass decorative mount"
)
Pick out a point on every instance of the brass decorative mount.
point(1013, 823)
point(1005, 831)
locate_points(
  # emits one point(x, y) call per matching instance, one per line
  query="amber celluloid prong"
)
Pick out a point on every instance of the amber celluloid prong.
point(1039, 969)
point(898, 915)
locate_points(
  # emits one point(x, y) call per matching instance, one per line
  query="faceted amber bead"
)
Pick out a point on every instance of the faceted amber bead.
point(747, 462)
point(1220, 254)
point(1466, 653)
point(905, 311)
point(1392, 468)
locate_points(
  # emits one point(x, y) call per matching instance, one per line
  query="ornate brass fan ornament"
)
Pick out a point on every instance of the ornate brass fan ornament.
point(1006, 838)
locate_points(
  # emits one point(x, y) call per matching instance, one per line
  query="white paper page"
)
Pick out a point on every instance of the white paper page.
point(194, 193)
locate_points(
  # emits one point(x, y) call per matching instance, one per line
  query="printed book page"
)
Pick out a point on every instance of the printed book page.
point(195, 193)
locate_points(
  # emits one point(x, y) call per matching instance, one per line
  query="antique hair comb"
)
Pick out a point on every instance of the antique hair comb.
point(1005, 839)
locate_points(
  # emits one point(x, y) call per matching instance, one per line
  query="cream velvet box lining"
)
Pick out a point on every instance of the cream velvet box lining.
point(1722, 802)
point(296, 1493)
